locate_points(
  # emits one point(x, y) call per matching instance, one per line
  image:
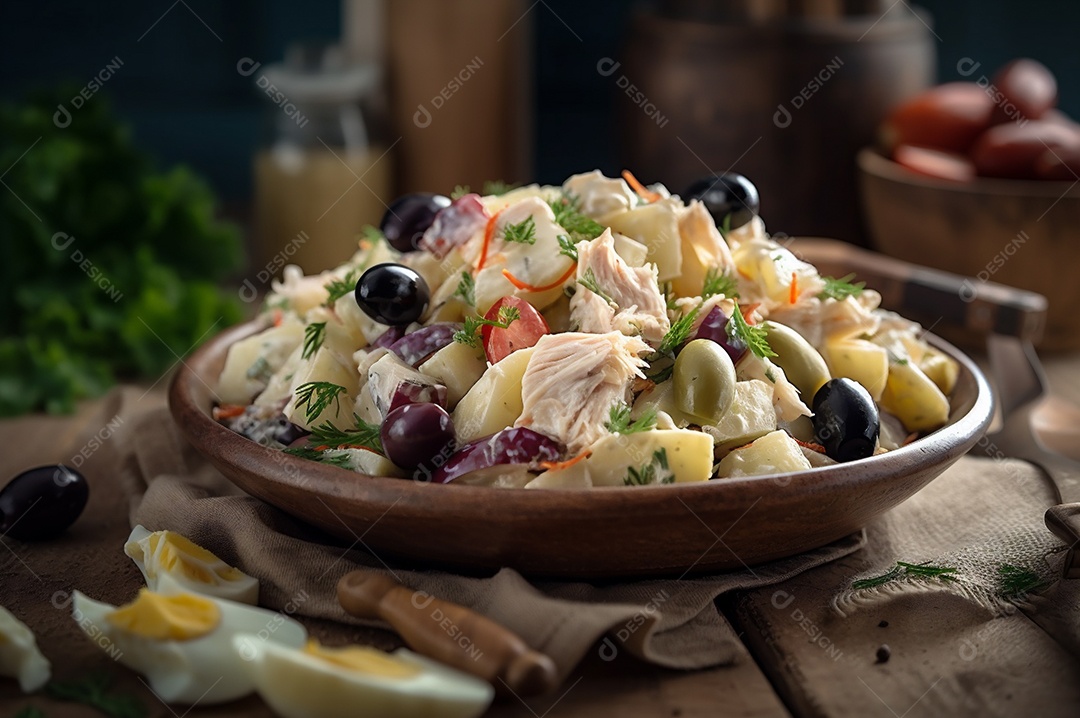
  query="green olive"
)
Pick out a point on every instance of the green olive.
point(801, 362)
point(704, 379)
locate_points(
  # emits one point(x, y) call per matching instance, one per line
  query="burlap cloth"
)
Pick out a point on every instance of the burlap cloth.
point(672, 623)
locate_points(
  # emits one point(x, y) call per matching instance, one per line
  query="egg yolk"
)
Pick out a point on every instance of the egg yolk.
point(180, 552)
point(167, 618)
point(363, 660)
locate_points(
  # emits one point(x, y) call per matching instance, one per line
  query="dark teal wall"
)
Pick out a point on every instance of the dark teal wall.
point(180, 90)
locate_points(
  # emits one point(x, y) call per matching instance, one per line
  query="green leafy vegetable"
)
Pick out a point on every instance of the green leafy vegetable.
point(373, 235)
point(94, 691)
point(460, 190)
point(567, 247)
point(717, 282)
point(756, 338)
point(497, 187)
point(314, 334)
point(901, 568)
point(360, 433)
point(339, 288)
point(316, 396)
point(588, 280)
point(524, 232)
point(470, 334)
point(1017, 582)
point(466, 289)
point(655, 471)
point(840, 289)
point(619, 421)
point(112, 265)
point(569, 217)
point(679, 332)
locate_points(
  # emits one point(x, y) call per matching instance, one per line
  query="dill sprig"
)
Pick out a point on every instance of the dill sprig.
point(497, 187)
point(470, 334)
point(460, 190)
point(466, 289)
point(311, 453)
point(922, 570)
point(360, 433)
point(567, 247)
point(314, 334)
point(588, 280)
point(338, 288)
point(756, 338)
point(93, 691)
point(679, 332)
point(650, 473)
point(524, 232)
point(717, 282)
point(1017, 582)
point(569, 216)
point(316, 396)
point(840, 289)
point(373, 235)
point(619, 421)
point(725, 226)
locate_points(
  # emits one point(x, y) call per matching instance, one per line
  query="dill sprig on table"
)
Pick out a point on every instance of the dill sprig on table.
point(94, 691)
point(1017, 582)
point(922, 570)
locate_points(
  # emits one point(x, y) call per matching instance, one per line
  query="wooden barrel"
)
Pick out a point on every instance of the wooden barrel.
point(785, 98)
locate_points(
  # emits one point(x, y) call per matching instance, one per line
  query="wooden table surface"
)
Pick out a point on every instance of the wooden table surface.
point(947, 659)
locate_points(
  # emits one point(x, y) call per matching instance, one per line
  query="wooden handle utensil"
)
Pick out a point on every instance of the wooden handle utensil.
point(449, 633)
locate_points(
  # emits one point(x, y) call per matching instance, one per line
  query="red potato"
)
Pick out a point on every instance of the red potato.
point(1014, 151)
point(935, 163)
point(1028, 90)
point(948, 117)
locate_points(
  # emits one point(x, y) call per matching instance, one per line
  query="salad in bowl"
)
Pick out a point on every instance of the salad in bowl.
point(599, 333)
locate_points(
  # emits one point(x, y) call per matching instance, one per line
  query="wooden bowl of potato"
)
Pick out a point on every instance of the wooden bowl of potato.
point(586, 534)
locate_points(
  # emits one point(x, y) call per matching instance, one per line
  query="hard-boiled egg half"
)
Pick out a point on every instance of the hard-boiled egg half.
point(19, 655)
point(171, 563)
point(358, 681)
point(183, 643)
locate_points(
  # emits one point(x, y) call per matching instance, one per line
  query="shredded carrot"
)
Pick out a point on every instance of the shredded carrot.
point(555, 465)
point(489, 234)
point(810, 445)
point(279, 317)
point(525, 286)
point(228, 411)
point(793, 293)
point(748, 310)
point(642, 191)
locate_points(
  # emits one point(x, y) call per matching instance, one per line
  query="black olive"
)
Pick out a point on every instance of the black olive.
point(392, 294)
point(408, 217)
point(846, 420)
point(730, 198)
point(40, 503)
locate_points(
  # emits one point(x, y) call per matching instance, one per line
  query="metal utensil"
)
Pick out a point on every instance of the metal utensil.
point(1021, 385)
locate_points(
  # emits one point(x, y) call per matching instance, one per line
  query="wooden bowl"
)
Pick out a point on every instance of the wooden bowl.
point(1023, 233)
point(602, 533)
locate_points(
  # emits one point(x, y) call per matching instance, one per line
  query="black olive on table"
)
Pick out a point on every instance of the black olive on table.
point(41, 503)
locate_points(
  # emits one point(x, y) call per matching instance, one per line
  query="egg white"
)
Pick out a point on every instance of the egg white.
point(202, 670)
point(297, 684)
point(19, 655)
point(244, 589)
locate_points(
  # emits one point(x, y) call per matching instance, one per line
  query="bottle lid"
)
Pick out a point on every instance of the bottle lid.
point(319, 73)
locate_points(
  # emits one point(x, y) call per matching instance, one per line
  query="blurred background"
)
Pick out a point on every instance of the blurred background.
point(304, 119)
